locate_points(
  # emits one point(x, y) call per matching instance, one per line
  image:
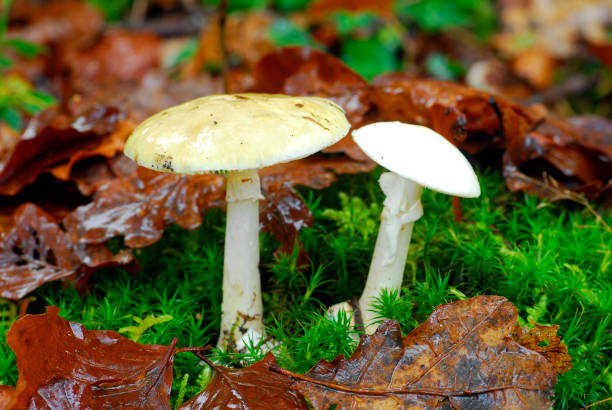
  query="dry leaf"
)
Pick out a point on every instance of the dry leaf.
point(68, 366)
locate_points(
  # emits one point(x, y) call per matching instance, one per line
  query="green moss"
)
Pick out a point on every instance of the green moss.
point(553, 261)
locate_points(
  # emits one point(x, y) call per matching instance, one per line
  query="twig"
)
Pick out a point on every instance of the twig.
point(597, 403)
point(224, 62)
point(194, 349)
point(138, 11)
point(457, 210)
point(575, 85)
point(166, 26)
point(375, 391)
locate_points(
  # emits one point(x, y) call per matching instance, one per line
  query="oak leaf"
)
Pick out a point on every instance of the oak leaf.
point(462, 357)
point(68, 366)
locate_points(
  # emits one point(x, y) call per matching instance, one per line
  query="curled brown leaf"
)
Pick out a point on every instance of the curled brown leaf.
point(53, 142)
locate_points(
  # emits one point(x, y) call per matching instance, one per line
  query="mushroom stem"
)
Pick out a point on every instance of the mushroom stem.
point(402, 206)
point(242, 308)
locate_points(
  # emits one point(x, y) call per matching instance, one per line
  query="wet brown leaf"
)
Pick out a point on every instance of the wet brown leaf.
point(53, 142)
point(534, 145)
point(141, 206)
point(59, 21)
point(319, 8)
point(34, 250)
point(68, 366)
point(283, 214)
point(544, 340)
point(118, 55)
point(246, 36)
point(6, 394)
point(252, 388)
point(463, 356)
point(307, 71)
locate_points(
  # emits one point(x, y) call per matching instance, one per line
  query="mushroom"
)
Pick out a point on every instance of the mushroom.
point(417, 157)
point(238, 134)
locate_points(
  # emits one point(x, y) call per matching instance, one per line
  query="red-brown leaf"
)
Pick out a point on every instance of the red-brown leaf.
point(60, 21)
point(320, 8)
point(34, 250)
point(141, 206)
point(463, 356)
point(54, 141)
point(307, 71)
point(68, 366)
point(118, 57)
point(252, 388)
point(6, 395)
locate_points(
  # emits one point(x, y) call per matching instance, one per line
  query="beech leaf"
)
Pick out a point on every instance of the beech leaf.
point(68, 366)
point(254, 387)
point(34, 250)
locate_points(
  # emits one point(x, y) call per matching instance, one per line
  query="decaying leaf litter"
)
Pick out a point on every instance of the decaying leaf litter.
point(476, 123)
point(463, 354)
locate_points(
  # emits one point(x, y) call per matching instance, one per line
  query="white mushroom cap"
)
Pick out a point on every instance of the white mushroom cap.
point(235, 132)
point(419, 154)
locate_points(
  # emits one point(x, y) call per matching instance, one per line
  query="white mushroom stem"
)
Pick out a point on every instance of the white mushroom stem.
point(402, 206)
point(242, 308)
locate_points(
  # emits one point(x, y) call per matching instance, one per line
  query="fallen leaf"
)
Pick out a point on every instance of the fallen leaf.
point(533, 144)
point(52, 139)
point(117, 55)
point(319, 8)
point(558, 30)
point(308, 71)
point(283, 214)
point(6, 394)
point(252, 388)
point(34, 250)
point(536, 66)
point(68, 366)
point(463, 356)
point(59, 21)
point(246, 37)
point(141, 206)
point(544, 340)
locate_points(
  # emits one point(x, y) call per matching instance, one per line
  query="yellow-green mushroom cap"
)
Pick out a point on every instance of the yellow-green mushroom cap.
point(235, 132)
